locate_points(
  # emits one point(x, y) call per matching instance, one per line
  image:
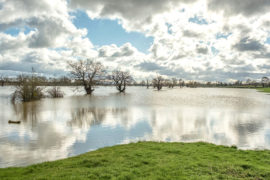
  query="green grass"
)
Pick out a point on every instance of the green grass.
point(151, 160)
point(266, 90)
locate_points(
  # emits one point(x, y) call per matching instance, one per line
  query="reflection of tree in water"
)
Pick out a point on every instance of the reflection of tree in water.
point(179, 125)
point(85, 117)
point(122, 114)
point(222, 127)
point(26, 112)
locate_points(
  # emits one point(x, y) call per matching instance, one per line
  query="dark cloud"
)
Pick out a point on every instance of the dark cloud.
point(137, 12)
point(115, 52)
point(32, 60)
point(48, 29)
point(149, 66)
point(263, 55)
point(19, 23)
point(102, 53)
point(264, 66)
point(247, 44)
point(192, 34)
point(202, 49)
point(245, 7)
point(125, 50)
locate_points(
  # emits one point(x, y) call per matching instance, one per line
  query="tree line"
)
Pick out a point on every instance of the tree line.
point(89, 74)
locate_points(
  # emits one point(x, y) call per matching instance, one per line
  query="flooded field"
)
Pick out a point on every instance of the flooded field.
point(53, 129)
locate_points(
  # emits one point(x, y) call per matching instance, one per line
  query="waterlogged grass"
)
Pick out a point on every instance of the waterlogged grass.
point(266, 90)
point(151, 160)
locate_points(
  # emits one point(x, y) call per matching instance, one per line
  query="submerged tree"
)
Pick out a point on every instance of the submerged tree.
point(265, 81)
point(87, 72)
point(27, 88)
point(3, 80)
point(121, 79)
point(55, 92)
point(147, 83)
point(158, 82)
point(174, 82)
point(181, 83)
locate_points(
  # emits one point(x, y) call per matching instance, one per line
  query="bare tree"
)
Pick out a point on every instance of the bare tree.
point(265, 81)
point(158, 82)
point(121, 79)
point(181, 83)
point(27, 88)
point(171, 83)
point(147, 83)
point(87, 72)
point(55, 92)
point(142, 83)
point(3, 80)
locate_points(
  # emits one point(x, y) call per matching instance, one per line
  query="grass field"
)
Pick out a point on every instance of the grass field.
point(266, 90)
point(151, 160)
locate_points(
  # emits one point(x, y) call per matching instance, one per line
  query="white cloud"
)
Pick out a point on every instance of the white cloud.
point(191, 40)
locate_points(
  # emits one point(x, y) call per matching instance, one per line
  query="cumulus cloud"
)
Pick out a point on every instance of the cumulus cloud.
point(201, 49)
point(202, 39)
point(129, 9)
point(246, 44)
point(234, 7)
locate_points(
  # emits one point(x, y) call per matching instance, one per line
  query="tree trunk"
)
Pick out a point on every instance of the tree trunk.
point(89, 90)
point(159, 87)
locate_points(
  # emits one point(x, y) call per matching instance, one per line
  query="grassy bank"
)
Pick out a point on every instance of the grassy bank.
point(266, 90)
point(150, 160)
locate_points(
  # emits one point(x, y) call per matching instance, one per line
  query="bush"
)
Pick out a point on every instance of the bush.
point(55, 92)
point(27, 89)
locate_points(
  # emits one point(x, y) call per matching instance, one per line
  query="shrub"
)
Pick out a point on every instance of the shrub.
point(55, 92)
point(27, 89)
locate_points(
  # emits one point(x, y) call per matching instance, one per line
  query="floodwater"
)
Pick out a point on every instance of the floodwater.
point(53, 129)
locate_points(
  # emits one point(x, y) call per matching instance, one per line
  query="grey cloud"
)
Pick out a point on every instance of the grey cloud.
point(26, 67)
point(10, 44)
point(48, 21)
point(202, 49)
point(149, 66)
point(31, 60)
point(102, 53)
point(266, 23)
point(17, 23)
point(188, 33)
point(245, 7)
point(180, 55)
point(115, 52)
point(138, 11)
point(129, 8)
point(162, 70)
point(125, 50)
point(263, 55)
point(13, 10)
point(264, 66)
point(247, 44)
point(48, 31)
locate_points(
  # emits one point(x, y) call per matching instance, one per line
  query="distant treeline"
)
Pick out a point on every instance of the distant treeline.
point(107, 81)
point(88, 74)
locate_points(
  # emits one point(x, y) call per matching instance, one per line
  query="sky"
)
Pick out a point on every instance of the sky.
point(205, 40)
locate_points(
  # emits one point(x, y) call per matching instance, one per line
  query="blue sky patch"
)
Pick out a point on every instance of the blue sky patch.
point(198, 20)
point(224, 36)
point(169, 26)
point(267, 41)
point(214, 50)
point(105, 32)
point(16, 31)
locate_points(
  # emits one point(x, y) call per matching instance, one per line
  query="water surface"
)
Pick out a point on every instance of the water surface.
point(58, 128)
